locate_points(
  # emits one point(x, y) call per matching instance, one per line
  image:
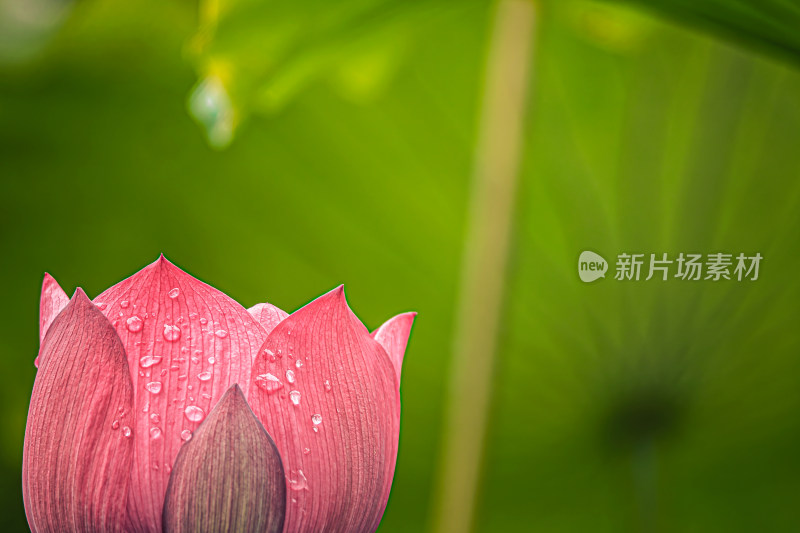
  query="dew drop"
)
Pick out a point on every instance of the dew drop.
point(195, 360)
point(134, 324)
point(171, 333)
point(268, 383)
point(327, 384)
point(298, 363)
point(154, 387)
point(295, 397)
point(212, 360)
point(155, 417)
point(155, 433)
point(186, 435)
point(299, 482)
point(194, 413)
point(101, 306)
point(316, 419)
point(124, 304)
point(306, 451)
point(115, 425)
point(149, 360)
point(203, 320)
point(204, 376)
point(174, 293)
point(126, 431)
point(290, 376)
point(221, 333)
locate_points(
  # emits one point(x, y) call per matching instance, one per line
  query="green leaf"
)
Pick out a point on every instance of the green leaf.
point(767, 25)
point(255, 57)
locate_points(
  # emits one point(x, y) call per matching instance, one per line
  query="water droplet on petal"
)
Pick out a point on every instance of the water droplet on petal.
point(115, 425)
point(299, 482)
point(295, 397)
point(124, 304)
point(306, 451)
point(126, 431)
point(149, 360)
point(134, 324)
point(155, 418)
point(204, 376)
point(174, 293)
point(327, 384)
point(203, 320)
point(154, 387)
point(212, 360)
point(171, 333)
point(221, 333)
point(194, 413)
point(316, 419)
point(155, 433)
point(268, 383)
point(101, 306)
point(298, 363)
point(290, 376)
point(186, 435)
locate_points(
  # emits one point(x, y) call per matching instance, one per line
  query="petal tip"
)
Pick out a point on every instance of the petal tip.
point(80, 295)
point(339, 292)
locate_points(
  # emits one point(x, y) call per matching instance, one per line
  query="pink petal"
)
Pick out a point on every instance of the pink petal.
point(393, 336)
point(187, 343)
point(268, 315)
point(336, 425)
point(229, 477)
point(78, 448)
point(52, 301)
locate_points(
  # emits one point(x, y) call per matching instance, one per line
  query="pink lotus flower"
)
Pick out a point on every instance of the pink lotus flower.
point(165, 405)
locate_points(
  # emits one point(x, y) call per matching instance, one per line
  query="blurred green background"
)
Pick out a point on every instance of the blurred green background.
point(276, 150)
